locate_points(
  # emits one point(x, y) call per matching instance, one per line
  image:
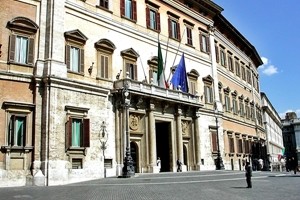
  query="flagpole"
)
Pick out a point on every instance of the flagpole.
point(176, 55)
point(143, 69)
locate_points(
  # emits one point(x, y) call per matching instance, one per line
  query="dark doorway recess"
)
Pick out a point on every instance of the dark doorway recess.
point(163, 141)
point(134, 154)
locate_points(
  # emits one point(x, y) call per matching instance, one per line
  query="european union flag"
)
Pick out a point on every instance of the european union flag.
point(179, 77)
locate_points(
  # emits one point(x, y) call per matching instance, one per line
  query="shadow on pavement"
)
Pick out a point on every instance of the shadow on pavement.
point(239, 187)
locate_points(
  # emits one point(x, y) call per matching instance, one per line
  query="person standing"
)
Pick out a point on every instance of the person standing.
point(178, 165)
point(248, 170)
point(294, 165)
point(158, 163)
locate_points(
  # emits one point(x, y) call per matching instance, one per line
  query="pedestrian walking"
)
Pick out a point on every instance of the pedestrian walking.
point(158, 163)
point(294, 165)
point(248, 170)
point(179, 165)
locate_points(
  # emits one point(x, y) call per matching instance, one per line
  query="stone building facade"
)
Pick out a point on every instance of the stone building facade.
point(65, 64)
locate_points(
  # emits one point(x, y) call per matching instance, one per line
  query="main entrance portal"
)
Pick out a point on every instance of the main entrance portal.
point(163, 144)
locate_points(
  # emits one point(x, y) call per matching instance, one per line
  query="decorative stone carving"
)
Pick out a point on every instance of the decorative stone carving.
point(134, 121)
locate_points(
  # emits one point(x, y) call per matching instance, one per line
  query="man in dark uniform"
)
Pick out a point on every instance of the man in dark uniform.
point(248, 170)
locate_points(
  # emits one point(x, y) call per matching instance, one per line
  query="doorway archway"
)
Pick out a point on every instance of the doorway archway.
point(135, 156)
point(163, 145)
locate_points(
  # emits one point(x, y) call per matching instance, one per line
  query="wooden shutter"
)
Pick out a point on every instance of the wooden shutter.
point(68, 133)
point(134, 13)
point(158, 21)
point(170, 27)
point(102, 3)
point(86, 132)
point(30, 51)
point(102, 66)
point(217, 54)
point(148, 17)
point(68, 49)
point(12, 48)
point(214, 141)
point(135, 72)
point(106, 66)
point(178, 31)
point(81, 60)
point(122, 7)
point(127, 70)
point(207, 44)
point(201, 42)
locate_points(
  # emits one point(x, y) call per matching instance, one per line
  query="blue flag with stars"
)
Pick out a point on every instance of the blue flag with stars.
point(179, 77)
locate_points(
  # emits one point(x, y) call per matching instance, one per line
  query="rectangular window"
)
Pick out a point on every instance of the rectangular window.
point(21, 52)
point(243, 72)
point(74, 59)
point(17, 130)
point(249, 80)
point(153, 76)
point(174, 30)
point(189, 36)
point(231, 144)
point(76, 163)
point(240, 146)
point(208, 93)
point(214, 141)
point(152, 18)
point(223, 57)
point(104, 66)
point(104, 4)
point(227, 103)
point(242, 112)
point(230, 64)
point(192, 87)
point(131, 68)
point(128, 9)
point(234, 106)
point(204, 43)
point(237, 68)
point(77, 132)
point(247, 111)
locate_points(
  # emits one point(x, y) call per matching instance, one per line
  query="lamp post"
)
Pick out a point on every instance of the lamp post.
point(219, 162)
point(103, 141)
point(128, 168)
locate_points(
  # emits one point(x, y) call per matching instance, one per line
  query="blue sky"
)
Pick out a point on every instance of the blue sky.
point(273, 28)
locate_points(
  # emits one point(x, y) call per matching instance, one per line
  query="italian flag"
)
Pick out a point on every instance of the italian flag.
point(160, 69)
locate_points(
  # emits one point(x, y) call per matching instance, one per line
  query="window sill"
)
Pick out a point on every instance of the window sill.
point(20, 64)
point(129, 19)
point(76, 150)
point(77, 73)
point(8, 149)
point(105, 9)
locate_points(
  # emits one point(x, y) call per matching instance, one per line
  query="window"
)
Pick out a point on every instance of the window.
point(230, 63)
point(128, 9)
point(153, 18)
point(130, 57)
point(21, 42)
point(240, 145)
point(217, 53)
point(252, 113)
point(74, 55)
point(104, 4)
point(246, 144)
point(17, 130)
point(249, 79)
point(242, 111)
point(227, 99)
point(76, 163)
point(214, 141)
point(237, 68)
point(204, 42)
point(105, 49)
point(247, 110)
point(234, 103)
point(220, 86)
point(208, 89)
point(153, 70)
point(189, 36)
point(78, 132)
point(231, 144)
point(243, 72)
point(193, 77)
point(223, 57)
point(174, 28)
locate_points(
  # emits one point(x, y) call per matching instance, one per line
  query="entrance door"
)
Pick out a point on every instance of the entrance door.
point(134, 156)
point(163, 148)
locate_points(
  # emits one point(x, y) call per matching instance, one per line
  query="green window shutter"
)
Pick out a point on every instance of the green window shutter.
point(86, 132)
point(12, 48)
point(30, 51)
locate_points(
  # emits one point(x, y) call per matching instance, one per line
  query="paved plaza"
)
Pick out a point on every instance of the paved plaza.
point(203, 185)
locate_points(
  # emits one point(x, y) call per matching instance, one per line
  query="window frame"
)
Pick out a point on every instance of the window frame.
point(173, 23)
point(223, 57)
point(133, 10)
point(104, 4)
point(23, 28)
point(204, 42)
point(155, 26)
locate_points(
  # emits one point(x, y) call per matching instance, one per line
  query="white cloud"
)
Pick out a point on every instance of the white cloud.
point(267, 68)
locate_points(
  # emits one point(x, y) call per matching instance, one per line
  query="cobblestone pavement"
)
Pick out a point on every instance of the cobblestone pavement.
point(170, 186)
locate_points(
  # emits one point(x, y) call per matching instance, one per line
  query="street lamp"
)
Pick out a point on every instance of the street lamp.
point(219, 162)
point(128, 168)
point(103, 141)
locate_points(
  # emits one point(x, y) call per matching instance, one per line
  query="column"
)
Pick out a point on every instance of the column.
point(179, 135)
point(197, 141)
point(152, 139)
